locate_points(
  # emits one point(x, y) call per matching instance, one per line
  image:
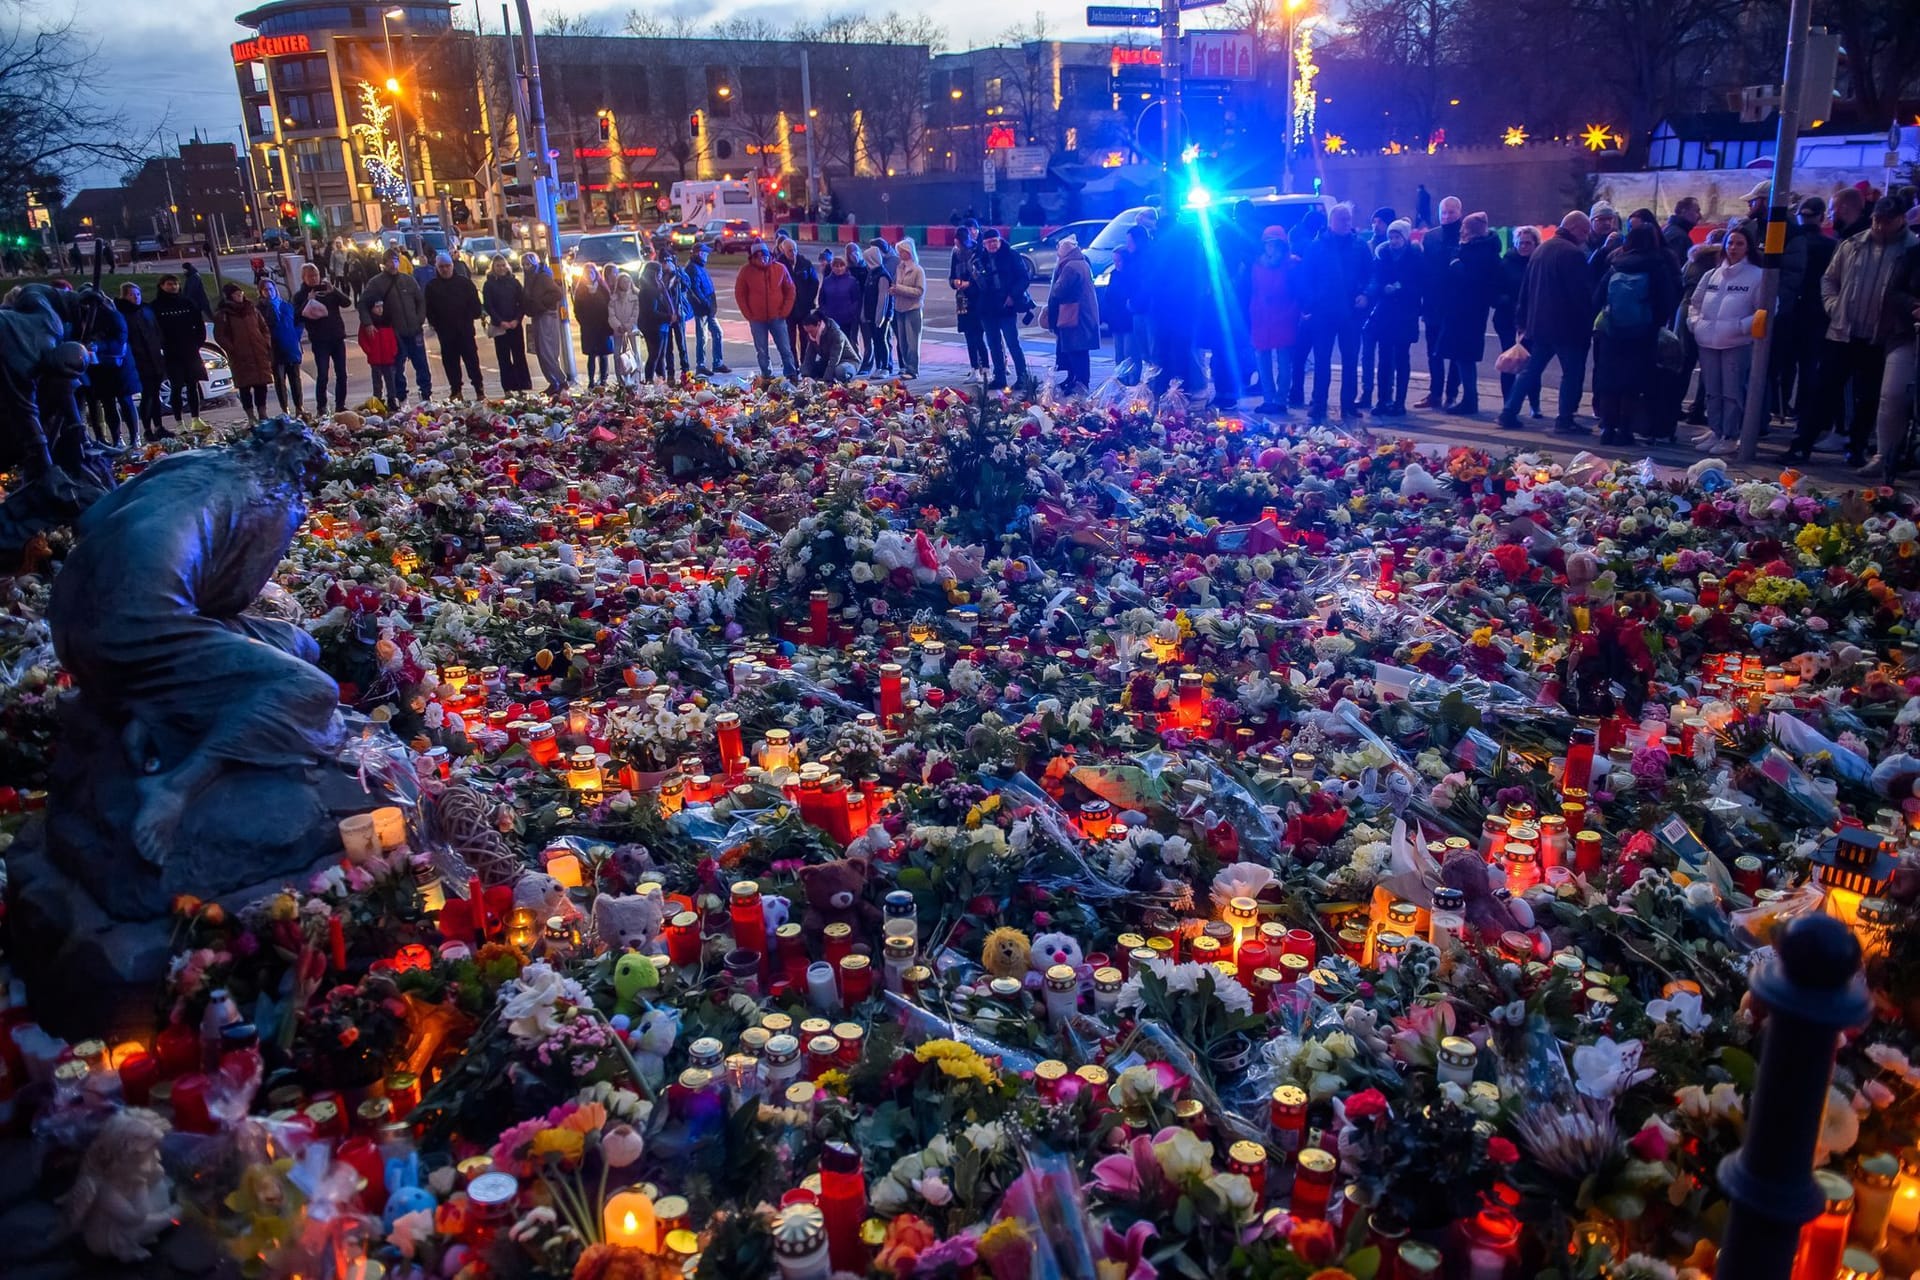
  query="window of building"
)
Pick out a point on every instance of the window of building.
point(256, 73)
point(996, 91)
point(262, 119)
point(759, 90)
point(720, 91)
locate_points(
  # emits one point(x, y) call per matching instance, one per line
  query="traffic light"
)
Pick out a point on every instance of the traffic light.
point(520, 199)
point(693, 125)
point(289, 215)
point(309, 216)
point(606, 127)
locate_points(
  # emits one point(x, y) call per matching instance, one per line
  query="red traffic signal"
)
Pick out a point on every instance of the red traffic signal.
point(288, 209)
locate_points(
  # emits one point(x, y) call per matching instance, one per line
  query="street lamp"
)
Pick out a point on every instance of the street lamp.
point(388, 16)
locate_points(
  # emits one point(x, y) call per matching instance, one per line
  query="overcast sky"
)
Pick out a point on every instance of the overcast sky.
point(164, 63)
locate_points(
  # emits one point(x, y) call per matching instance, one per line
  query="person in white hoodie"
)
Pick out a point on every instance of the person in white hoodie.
point(623, 313)
point(1721, 318)
point(909, 290)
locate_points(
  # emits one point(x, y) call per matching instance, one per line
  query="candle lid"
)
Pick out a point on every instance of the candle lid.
point(1291, 1096)
point(1061, 977)
point(1858, 1264)
point(493, 1189)
point(1836, 1190)
point(1108, 977)
point(1050, 1070)
point(776, 1023)
point(839, 931)
point(799, 1229)
point(801, 1093)
point(854, 962)
point(1005, 988)
point(746, 889)
point(1314, 1160)
point(1247, 1153)
point(823, 1046)
point(1094, 1074)
point(1458, 1051)
point(1879, 1170)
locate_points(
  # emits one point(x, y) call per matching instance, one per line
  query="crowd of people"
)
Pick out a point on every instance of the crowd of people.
point(1645, 306)
point(1637, 311)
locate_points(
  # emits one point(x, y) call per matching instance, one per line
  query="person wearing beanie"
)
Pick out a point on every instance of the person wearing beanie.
point(1393, 319)
point(452, 306)
point(1436, 251)
point(1382, 219)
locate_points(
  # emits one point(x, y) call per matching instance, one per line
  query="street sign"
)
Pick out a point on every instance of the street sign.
point(1107, 15)
point(1027, 162)
point(989, 175)
point(1199, 4)
point(569, 190)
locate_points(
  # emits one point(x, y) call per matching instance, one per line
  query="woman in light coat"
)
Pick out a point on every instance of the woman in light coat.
point(909, 291)
point(1073, 313)
point(1720, 315)
point(623, 313)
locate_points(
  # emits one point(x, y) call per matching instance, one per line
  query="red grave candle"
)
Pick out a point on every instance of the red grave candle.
point(190, 1113)
point(178, 1048)
point(749, 918)
point(843, 1201)
point(726, 732)
point(892, 686)
point(817, 622)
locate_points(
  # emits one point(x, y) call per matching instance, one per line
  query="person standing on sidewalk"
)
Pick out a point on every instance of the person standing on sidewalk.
point(149, 361)
point(703, 301)
point(876, 312)
point(623, 313)
point(1513, 274)
point(1472, 282)
point(764, 293)
point(452, 306)
point(1859, 325)
point(405, 310)
point(505, 304)
point(1554, 321)
point(806, 291)
point(1336, 270)
point(193, 287)
point(317, 306)
point(1437, 248)
point(1903, 353)
point(909, 292)
point(963, 275)
point(544, 300)
point(1003, 298)
point(284, 325)
point(182, 331)
point(1273, 317)
point(1399, 275)
point(241, 330)
point(1721, 316)
point(1073, 314)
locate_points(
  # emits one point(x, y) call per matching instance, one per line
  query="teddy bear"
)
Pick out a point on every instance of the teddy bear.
point(1047, 950)
point(652, 1040)
point(540, 891)
point(1005, 953)
point(836, 895)
point(628, 921)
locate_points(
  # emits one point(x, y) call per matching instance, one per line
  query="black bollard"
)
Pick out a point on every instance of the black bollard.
point(1812, 989)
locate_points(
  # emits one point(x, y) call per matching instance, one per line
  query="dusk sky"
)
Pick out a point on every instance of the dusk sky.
point(166, 64)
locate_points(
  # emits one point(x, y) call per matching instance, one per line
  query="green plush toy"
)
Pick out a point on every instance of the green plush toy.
point(633, 973)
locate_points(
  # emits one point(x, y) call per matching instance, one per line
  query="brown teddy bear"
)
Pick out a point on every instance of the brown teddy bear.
point(1005, 953)
point(836, 894)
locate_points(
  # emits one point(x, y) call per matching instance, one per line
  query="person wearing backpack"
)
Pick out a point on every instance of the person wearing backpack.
point(1721, 317)
point(1636, 294)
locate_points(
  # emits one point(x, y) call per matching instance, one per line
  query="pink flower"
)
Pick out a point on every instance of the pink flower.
point(1650, 1143)
point(1130, 1250)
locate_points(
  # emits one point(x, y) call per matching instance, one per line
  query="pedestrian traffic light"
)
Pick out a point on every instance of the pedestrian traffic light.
point(606, 127)
point(309, 216)
point(693, 125)
point(289, 215)
point(519, 195)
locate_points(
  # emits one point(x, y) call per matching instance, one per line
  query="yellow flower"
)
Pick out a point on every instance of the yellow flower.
point(568, 1144)
point(1482, 637)
point(833, 1081)
point(956, 1061)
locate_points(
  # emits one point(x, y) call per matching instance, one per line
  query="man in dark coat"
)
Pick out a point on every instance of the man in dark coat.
point(1555, 320)
point(194, 289)
point(406, 312)
point(1677, 236)
point(1803, 316)
point(1437, 248)
point(1003, 298)
point(452, 305)
point(1337, 270)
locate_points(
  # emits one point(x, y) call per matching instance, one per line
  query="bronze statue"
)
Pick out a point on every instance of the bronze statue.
point(149, 614)
point(43, 356)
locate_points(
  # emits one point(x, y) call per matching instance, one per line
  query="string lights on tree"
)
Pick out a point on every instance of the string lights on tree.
point(1305, 98)
point(379, 153)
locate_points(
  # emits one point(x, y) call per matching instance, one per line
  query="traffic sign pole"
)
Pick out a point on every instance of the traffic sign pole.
point(543, 183)
point(1170, 111)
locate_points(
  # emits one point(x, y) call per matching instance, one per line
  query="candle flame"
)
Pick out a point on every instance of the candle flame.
point(632, 1224)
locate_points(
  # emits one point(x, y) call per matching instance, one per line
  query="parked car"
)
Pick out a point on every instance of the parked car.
point(620, 249)
point(1041, 253)
point(682, 235)
point(730, 235)
point(479, 250)
point(216, 386)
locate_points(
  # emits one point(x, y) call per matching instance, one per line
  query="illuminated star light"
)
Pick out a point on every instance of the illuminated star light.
point(1598, 137)
point(1334, 144)
point(1516, 135)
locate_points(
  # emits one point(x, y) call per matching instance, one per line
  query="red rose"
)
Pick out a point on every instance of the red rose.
point(1648, 1144)
point(1500, 1151)
point(1313, 1241)
point(1366, 1104)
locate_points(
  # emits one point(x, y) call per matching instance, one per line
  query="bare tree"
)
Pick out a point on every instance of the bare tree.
point(1416, 45)
point(746, 29)
point(52, 121)
point(1020, 79)
point(1882, 40)
point(572, 24)
point(656, 26)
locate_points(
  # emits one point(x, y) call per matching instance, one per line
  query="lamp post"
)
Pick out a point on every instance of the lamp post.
point(388, 16)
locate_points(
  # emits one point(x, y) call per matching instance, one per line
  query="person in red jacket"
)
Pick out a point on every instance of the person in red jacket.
point(382, 348)
point(1274, 318)
point(764, 293)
